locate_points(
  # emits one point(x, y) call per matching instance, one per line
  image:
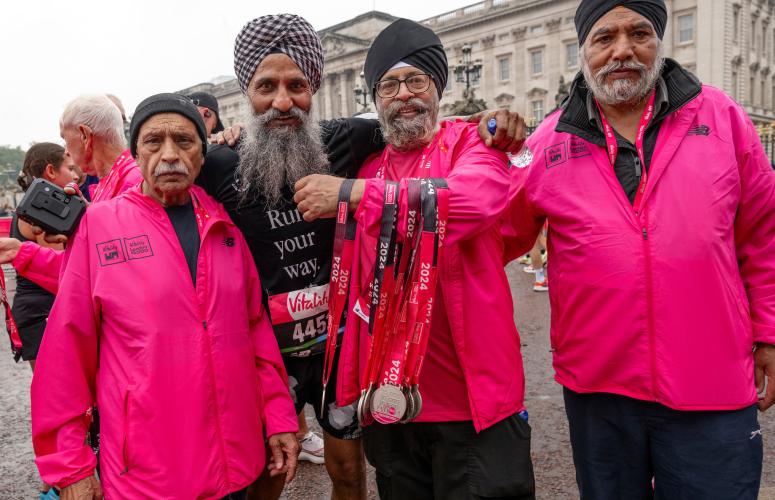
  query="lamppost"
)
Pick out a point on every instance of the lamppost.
point(468, 71)
point(362, 95)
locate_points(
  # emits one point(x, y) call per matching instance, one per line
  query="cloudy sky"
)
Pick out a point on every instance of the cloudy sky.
point(54, 50)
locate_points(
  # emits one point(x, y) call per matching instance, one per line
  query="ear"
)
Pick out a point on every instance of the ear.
point(87, 136)
point(50, 172)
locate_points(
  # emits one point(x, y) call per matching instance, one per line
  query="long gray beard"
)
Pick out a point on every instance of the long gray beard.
point(274, 157)
point(624, 91)
point(408, 133)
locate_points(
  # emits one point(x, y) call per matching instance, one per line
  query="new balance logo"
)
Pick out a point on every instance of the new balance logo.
point(699, 130)
point(228, 242)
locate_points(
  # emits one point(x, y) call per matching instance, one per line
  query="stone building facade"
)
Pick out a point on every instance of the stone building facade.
point(526, 46)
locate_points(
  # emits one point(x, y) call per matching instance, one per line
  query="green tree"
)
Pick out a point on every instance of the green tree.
point(11, 158)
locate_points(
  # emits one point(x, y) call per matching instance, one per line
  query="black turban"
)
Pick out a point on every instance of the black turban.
point(590, 12)
point(409, 42)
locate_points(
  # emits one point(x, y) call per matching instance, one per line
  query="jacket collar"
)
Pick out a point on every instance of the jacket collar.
point(676, 88)
point(213, 211)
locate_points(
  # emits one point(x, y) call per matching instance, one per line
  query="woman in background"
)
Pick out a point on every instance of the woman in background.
point(31, 304)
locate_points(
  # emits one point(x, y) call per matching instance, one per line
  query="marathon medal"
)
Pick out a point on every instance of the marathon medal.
point(388, 404)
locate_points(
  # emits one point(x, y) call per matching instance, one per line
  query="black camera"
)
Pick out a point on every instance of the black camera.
point(47, 206)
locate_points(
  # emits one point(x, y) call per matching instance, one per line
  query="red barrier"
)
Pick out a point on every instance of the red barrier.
point(5, 226)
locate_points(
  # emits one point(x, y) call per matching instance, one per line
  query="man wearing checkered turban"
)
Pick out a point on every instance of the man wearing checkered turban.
point(278, 61)
point(287, 34)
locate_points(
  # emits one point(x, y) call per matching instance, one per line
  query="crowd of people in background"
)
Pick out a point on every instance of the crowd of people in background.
point(223, 279)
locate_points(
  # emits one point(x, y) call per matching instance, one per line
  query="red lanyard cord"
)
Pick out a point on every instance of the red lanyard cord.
point(10, 324)
point(612, 145)
point(344, 236)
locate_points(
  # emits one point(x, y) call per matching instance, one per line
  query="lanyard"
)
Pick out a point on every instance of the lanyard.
point(613, 146)
point(425, 162)
point(10, 324)
point(344, 240)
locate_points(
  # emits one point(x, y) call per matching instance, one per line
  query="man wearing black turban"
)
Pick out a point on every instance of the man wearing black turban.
point(467, 435)
point(661, 209)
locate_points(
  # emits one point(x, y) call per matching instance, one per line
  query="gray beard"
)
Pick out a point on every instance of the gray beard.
point(406, 134)
point(624, 91)
point(272, 158)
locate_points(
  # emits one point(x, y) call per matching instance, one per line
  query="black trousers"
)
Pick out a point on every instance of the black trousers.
point(450, 461)
point(620, 444)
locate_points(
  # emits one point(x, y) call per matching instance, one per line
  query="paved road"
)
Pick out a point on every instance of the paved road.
point(551, 449)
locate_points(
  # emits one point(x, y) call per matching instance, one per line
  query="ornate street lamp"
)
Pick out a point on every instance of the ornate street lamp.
point(362, 95)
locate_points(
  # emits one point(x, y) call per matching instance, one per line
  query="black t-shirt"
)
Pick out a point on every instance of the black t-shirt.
point(293, 257)
point(184, 222)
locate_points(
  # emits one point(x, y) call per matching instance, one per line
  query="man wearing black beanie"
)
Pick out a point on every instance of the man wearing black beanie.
point(661, 209)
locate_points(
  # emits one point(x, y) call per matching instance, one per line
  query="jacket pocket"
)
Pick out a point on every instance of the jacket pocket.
point(125, 436)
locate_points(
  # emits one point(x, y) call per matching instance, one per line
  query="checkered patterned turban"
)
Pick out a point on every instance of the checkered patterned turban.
point(289, 34)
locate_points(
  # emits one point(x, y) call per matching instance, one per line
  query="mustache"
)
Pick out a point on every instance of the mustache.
point(165, 168)
point(394, 108)
point(274, 114)
point(609, 68)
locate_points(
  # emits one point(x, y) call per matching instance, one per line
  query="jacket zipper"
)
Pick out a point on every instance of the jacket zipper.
point(650, 306)
point(125, 444)
point(201, 283)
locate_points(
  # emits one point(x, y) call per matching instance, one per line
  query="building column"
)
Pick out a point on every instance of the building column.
point(346, 92)
point(325, 90)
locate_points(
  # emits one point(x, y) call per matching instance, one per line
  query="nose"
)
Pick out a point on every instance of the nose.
point(404, 94)
point(169, 151)
point(622, 49)
point(282, 101)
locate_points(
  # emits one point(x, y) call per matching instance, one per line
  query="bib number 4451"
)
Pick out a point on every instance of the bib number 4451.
point(310, 328)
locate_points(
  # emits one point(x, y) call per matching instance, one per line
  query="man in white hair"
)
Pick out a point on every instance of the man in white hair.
point(93, 131)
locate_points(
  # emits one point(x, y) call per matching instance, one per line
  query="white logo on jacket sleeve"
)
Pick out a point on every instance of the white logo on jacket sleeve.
point(523, 159)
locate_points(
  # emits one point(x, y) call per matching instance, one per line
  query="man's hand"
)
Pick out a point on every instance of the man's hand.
point(317, 196)
point(9, 247)
point(285, 455)
point(510, 131)
point(87, 488)
point(228, 136)
point(764, 362)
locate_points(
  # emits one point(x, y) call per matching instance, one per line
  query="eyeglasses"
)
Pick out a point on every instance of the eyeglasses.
point(416, 84)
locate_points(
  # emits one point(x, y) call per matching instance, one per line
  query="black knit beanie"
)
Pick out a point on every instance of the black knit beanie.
point(166, 103)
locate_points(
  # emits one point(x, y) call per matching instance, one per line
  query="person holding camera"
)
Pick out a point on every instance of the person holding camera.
point(32, 303)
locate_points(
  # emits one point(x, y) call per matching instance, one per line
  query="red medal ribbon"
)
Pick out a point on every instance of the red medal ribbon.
point(10, 324)
point(613, 146)
point(344, 240)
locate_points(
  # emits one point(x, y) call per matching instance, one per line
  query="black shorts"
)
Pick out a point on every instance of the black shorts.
point(449, 460)
point(305, 378)
point(30, 311)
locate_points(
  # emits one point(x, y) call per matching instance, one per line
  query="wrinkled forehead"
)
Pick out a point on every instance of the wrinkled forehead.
point(167, 123)
point(618, 19)
point(278, 65)
point(402, 70)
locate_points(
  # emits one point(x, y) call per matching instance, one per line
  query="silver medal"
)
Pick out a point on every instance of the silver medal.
point(388, 404)
point(409, 406)
point(417, 397)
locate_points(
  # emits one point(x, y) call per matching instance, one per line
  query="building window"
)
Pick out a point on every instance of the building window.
point(735, 24)
point(752, 90)
point(753, 35)
point(504, 68)
point(450, 77)
point(536, 62)
point(734, 84)
point(538, 110)
point(685, 28)
point(571, 55)
point(761, 94)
